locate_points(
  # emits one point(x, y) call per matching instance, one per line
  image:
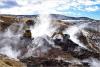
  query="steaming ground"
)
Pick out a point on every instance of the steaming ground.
point(8, 45)
point(11, 45)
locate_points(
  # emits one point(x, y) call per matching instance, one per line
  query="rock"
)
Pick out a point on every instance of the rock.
point(94, 39)
point(85, 54)
point(32, 61)
point(58, 54)
point(85, 64)
point(76, 65)
point(8, 62)
point(83, 39)
point(45, 62)
point(55, 57)
point(91, 39)
point(7, 21)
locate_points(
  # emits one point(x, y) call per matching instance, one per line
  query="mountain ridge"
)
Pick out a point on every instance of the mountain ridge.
point(54, 16)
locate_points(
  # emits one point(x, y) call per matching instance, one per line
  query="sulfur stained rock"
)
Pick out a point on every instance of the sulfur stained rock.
point(8, 62)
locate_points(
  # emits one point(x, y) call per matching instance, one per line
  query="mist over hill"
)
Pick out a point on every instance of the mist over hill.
point(83, 31)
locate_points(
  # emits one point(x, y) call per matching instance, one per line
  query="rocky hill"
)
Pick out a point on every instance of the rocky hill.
point(43, 51)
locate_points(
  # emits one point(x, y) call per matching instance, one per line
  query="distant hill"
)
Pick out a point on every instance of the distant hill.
point(54, 16)
point(62, 17)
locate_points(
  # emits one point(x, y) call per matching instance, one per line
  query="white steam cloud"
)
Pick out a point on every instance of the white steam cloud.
point(11, 53)
point(75, 29)
point(9, 42)
point(95, 63)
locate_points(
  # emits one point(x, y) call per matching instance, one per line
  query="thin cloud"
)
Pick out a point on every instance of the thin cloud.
point(50, 6)
point(94, 8)
point(8, 4)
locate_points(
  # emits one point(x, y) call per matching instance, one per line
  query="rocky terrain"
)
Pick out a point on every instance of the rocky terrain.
point(10, 62)
point(47, 54)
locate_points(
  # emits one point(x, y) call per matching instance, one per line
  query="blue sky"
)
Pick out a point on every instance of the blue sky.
point(80, 8)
